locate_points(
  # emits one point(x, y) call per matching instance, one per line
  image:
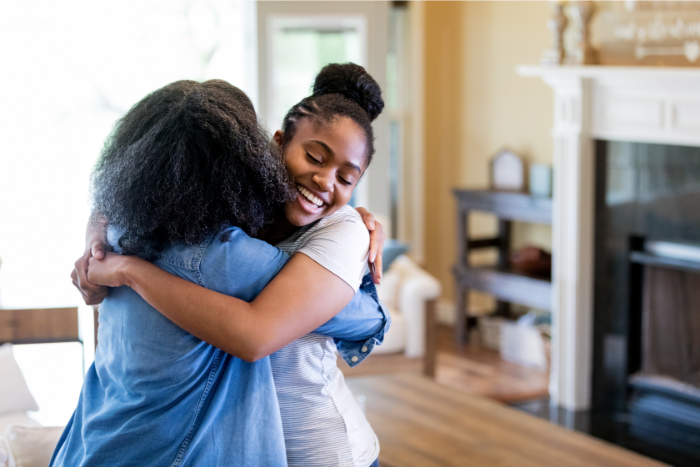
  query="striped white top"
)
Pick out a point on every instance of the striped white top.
point(323, 425)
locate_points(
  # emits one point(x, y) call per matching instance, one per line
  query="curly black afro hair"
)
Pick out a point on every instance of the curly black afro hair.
point(340, 90)
point(185, 162)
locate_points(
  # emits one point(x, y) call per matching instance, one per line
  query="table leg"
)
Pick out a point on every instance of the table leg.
point(503, 309)
point(430, 358)
point(461, 309)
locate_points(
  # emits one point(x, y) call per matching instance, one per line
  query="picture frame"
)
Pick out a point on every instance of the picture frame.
point(668, 37)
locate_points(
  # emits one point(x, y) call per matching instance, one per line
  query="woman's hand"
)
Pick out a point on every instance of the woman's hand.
point(96, 246)
point(376, 243)
point(110, 271)
point(92, 294)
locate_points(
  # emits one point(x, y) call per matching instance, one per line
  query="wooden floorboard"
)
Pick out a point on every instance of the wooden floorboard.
point(472, 369)
point(422, 423)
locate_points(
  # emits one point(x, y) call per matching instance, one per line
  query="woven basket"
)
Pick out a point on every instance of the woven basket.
point(490, 331)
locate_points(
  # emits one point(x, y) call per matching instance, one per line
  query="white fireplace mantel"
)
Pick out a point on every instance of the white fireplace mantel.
point(650, 105)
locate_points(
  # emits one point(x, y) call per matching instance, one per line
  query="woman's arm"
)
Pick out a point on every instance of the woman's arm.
point(96, 245)
point(302, 297)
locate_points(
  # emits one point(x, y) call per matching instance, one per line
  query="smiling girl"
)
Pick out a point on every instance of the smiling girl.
point(327, 141)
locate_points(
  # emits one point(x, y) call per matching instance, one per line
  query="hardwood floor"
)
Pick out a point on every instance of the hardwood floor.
point(472, 369)
point(420, 423)
point(482, 371)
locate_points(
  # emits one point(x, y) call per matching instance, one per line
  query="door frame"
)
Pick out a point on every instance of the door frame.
point(373, 192)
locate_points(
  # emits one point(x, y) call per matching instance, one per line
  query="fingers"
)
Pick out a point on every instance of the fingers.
point(367, 218)
point(92, 294)
point(98, 250)
point(376, 241)
point(85, 257)
point(98, 298)
point(373, 246)
point(87, 298)
point(378, 263)
point(92, 262)
point(80, 270)
point(93, 299)
point(378, 260)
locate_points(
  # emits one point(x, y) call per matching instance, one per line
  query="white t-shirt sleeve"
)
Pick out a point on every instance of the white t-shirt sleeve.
point(341, 245)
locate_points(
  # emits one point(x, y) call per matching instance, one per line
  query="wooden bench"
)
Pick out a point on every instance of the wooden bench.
point(39, 325)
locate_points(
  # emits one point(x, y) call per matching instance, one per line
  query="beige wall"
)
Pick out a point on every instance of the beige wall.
point(475, 104)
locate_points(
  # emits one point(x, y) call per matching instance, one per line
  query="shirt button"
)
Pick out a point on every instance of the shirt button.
point(364, 348)
point(354, 359)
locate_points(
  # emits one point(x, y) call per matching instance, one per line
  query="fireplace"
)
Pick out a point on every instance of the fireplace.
point(594, 103)
point(599, 113)
point(646, 331)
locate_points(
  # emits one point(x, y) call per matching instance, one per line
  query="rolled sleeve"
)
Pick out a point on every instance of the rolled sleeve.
point(360, 326)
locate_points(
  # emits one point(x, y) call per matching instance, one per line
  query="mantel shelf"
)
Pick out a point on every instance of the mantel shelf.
point(603, 71)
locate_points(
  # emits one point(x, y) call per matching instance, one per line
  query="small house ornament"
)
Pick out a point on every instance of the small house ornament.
point(507, 171)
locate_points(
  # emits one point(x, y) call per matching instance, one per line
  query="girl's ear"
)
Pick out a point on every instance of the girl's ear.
point(278, 137)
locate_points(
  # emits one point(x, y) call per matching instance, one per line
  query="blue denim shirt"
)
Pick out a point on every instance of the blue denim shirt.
point(158, 396)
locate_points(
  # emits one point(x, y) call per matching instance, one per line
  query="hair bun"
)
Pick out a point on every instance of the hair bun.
point(353, 82)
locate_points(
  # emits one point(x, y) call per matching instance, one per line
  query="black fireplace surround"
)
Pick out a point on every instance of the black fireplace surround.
point(645, 193)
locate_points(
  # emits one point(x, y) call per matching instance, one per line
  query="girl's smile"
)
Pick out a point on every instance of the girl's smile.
point(326, 161)
point(308, 199)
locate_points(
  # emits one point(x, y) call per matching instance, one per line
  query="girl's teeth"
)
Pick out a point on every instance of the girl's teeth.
point(307, 194)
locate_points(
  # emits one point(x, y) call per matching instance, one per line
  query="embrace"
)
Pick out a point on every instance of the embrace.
point(230, 271)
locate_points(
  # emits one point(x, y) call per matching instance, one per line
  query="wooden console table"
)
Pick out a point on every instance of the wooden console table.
point(421, 423)
point(506, 285)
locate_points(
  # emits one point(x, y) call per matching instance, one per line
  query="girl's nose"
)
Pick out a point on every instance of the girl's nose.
point(323, 181)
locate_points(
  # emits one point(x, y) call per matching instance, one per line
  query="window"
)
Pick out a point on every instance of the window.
point(76, 67)
point(299, 47)
point(71, 69)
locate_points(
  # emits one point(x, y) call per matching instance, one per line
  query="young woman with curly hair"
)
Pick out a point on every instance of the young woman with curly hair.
point(327, 143)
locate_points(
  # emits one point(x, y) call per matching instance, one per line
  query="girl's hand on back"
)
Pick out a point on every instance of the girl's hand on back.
point(95, 246)
point(110, 271)
point(376, 243)
point(92, 294)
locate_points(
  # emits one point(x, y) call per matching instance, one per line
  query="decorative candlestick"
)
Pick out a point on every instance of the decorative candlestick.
point(556, 25)
point(582, 11)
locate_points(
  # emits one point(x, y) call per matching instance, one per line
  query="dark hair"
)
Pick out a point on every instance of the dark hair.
point(186, 161)
point(345, 90)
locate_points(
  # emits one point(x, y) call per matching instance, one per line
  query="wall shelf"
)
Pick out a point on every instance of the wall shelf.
point(507, 285)
point(506, 205)
point(500, 280)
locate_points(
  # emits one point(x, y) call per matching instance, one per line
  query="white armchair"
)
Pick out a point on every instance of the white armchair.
point(410, 294)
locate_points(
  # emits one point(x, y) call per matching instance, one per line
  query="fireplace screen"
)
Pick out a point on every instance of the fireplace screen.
point(645, 322)
point(671, 325)
point(647, 288)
